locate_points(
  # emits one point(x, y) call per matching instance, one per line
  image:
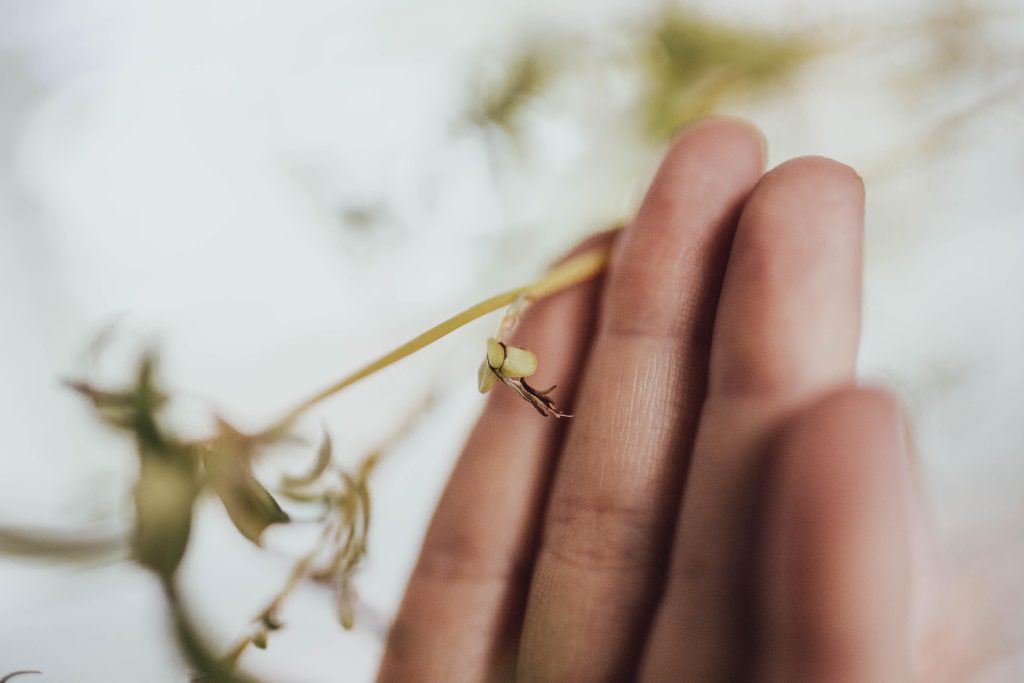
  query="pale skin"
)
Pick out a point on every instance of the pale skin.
point(727, 504)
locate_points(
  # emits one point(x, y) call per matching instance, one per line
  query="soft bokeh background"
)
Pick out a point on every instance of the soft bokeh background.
point(273, 192)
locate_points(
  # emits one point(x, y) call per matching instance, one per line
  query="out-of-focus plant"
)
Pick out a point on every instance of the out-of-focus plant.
point(174, 471)
point(501, 104)
point(687, 67)
point(691, 65)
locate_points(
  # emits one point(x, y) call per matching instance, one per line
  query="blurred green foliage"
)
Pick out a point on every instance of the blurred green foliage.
point(169, 478)
point(502, 104)
point(691, 65)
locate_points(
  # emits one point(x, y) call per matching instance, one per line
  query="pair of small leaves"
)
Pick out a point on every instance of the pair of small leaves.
point(504, 361)
point(511, 365)
point(165, 494)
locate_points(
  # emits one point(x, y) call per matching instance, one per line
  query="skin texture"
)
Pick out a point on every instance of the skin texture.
point(726, 505)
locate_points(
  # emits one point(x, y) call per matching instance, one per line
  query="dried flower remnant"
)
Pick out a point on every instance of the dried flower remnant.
point(539, 399)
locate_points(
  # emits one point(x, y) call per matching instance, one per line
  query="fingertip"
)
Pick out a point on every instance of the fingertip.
point(680, 237)
point(819, 166)
point(789, 316)
point(818, 196)
point(733, 137)
point(716, 151)
point(810, 179)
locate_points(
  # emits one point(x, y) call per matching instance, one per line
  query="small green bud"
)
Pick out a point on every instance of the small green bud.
point(485, 377)
point(518, 363)
point(260, 640)
point(495, 353)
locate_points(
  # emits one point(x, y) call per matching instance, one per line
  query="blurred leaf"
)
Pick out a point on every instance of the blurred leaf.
point(249, 504)
point(84, 546)
point(165, 494)
point(364, 218)
point(503, 103)
point(270, 622)
point(692, 64)
point(958, 33)
point(168, 482)
point(133, 409)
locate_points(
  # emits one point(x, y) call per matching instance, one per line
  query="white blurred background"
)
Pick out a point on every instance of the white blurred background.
point(273, 192)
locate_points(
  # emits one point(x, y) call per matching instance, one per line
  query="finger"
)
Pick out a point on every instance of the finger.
point(602, 552)
point(464, 600)
point(786, 331)
point(835, 565)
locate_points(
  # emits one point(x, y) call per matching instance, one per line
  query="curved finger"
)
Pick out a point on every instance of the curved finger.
point(609, 517)
point(462, 609)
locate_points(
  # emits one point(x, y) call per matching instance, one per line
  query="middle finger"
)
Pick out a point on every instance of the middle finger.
point(602, 552)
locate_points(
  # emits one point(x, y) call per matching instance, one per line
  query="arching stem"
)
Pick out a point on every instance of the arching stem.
point(568, 273)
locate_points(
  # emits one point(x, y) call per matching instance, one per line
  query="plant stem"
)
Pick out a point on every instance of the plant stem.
point(299, 571)
point(206, 667)
point(568, 273)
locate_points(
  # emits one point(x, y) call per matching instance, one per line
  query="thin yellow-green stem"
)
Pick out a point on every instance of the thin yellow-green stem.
point(299, 571)
point(570, 272)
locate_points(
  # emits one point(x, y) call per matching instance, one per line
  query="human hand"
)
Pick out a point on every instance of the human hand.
point(725, 505)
